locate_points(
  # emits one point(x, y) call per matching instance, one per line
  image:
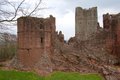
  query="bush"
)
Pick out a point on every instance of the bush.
point(7, 51)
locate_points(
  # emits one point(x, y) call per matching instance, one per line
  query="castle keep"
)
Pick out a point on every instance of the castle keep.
point(85, 22)
point(35, 41)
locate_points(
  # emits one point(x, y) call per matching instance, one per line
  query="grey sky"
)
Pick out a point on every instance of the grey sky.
point(64, 11)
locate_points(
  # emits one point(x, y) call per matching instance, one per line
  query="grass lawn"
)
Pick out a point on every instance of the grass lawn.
point(17, 75)
point(73, 76)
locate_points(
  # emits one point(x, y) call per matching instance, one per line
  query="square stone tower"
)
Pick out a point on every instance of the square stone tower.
point(35, 42)
point(85, 22)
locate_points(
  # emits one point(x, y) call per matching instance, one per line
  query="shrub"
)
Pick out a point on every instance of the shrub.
point(7, 51)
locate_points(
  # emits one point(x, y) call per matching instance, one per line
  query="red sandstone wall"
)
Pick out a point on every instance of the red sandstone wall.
point(118, 39)
point(111, 24)
point(35, 38)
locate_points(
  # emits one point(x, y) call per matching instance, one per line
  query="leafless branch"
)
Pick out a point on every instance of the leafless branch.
point(8, 17)
point(15, 13)
point(2, 11)
point(11, 4)
point(17, 10)
point(35, 8)
point(9, 20)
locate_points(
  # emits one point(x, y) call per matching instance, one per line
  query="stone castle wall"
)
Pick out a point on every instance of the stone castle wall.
point(111, 24)
point(35, 41)
point(44, 50)
point(85, 22)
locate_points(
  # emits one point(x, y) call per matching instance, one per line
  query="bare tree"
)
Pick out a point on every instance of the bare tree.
point(17, 9)
point(10, 10)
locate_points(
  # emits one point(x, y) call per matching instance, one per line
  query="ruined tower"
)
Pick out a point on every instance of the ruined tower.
point(35, 42)
point(111, 24)
point(85, 22)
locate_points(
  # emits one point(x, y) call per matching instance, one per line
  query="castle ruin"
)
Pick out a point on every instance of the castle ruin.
point(111, 24)
point(41, 47)
point(35, 41)
point(85, 22)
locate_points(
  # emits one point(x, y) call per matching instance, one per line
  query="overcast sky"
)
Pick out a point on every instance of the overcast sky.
point(64, 11)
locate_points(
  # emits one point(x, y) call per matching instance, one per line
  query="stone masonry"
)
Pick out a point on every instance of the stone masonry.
point(111, 24)
point(85, 22)
point(43, 49)
point(35, 42)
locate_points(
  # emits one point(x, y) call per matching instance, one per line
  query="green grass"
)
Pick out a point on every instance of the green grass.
point(17, 75)
point(73, 76)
